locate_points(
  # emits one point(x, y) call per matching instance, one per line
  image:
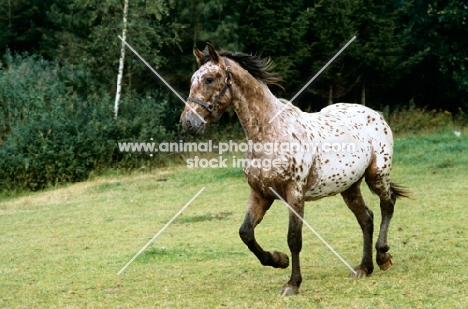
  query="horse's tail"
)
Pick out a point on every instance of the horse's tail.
point(399, 191)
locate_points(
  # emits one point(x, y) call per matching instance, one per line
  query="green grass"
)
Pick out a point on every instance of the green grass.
point(62, 248)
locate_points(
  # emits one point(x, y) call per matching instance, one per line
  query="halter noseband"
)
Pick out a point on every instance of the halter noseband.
point(227, 83)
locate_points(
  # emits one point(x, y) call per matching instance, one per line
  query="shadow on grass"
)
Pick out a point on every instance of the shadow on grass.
point(163, 254)
point(203, 218)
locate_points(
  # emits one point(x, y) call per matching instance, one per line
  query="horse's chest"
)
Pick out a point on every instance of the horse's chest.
point(276, 170)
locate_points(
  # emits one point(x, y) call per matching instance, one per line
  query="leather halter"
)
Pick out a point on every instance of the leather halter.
point(227, 83)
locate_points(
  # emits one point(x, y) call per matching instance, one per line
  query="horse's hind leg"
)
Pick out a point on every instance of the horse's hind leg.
point(256, 209)
point(365, 218)
point(380, 185)
point(384, 259)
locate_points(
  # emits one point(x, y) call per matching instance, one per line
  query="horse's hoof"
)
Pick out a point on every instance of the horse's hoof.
point(280, 259)
point(386, 265)
point(385, 261)
point(360, 272)
point(289, 290)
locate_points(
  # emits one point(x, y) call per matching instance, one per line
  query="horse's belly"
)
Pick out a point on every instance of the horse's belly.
point(328, 190)
point(337, 175)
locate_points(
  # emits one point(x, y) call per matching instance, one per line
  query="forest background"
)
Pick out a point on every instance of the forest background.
point(59, 62)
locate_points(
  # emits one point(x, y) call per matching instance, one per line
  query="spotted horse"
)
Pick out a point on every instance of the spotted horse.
point(238, 79)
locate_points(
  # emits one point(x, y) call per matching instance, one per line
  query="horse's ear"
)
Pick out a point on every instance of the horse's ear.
point(198, 54)
point(213, 53)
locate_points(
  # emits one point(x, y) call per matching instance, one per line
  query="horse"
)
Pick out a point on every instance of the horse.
point(241, 80)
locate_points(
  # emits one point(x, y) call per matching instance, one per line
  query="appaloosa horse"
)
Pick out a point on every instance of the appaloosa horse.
point(305, 174)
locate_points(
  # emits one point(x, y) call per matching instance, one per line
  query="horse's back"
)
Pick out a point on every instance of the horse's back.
point(360, 119)
point(355, 113)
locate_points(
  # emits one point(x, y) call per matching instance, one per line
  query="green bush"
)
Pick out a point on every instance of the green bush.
point(54, 131)
point(415, 120)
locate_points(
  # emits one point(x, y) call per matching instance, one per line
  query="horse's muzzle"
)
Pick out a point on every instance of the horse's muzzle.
point(192, 124)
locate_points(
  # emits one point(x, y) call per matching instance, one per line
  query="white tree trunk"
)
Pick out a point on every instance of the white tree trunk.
point(122, 58)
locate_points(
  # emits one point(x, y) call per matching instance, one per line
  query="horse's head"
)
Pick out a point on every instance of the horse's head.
point(210, 91)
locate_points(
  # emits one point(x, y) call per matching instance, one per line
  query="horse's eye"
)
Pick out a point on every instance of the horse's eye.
point(209, 80)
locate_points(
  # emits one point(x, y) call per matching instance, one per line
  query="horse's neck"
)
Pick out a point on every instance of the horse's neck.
point(255, 106)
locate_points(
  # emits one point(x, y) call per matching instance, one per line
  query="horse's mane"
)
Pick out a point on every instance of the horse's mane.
point(259, 68)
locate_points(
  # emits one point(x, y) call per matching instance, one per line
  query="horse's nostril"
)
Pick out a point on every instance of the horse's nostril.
point(192, 124)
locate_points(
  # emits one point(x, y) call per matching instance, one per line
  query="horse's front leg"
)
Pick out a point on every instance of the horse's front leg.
point(295, 244)
point(256, 209)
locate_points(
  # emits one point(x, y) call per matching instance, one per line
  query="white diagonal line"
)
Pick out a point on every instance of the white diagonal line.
point(161, 230)
point(313, 231)
point(160, 77)
point(310, 81)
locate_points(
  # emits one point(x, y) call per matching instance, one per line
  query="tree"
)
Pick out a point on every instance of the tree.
point(450, 42)
point(332, 25)
point(213, 21)
point(23, 24)
point(438, 34)
point(122, 59)
point(374, 60)
point(276, 29)
point(90, 30)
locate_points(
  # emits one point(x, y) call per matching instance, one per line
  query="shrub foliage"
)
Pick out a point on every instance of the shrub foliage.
point(53, 129)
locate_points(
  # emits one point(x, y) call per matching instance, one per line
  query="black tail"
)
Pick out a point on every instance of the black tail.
point(399, 191)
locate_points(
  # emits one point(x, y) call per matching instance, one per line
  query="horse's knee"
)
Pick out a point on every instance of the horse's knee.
point(246, 233)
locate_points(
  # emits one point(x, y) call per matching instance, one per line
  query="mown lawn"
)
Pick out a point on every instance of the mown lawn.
point(62, 248)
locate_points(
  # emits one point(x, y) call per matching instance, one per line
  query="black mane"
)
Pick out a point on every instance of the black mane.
point(259, 68)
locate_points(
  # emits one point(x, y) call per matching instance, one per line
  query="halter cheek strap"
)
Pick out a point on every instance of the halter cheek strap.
point(208, 106)
point(227, 83)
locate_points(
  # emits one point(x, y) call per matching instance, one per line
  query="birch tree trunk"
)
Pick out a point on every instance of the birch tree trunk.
point(122, 58)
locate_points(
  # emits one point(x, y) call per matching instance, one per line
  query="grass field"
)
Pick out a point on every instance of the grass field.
point(62, 248)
